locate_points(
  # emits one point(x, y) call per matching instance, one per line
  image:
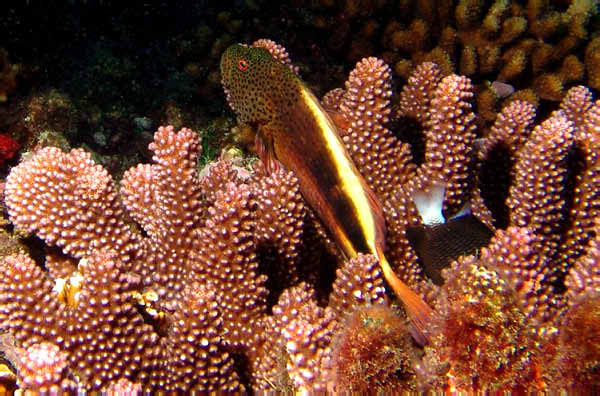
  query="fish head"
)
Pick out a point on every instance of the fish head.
point(258, 86)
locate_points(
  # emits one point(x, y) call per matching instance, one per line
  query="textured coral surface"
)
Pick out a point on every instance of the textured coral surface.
point(227, 281)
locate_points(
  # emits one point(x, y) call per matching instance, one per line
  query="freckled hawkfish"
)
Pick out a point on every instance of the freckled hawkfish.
point(293, 129)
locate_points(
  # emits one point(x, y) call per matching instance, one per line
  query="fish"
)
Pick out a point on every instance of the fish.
point(294, 131)
point(439, 241)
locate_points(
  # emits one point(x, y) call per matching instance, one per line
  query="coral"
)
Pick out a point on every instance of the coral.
point(592, 62)
point(543, 155)
point(76, 177)
point(124, 387)
point(416, 96)
point(537, 45)
point(305, 332)
point(577, 365)
point(539, 176)
point(281, 216)
point(578, 354)
point(277, 51)
point(176, 306)
point(41, 368)
point(500, 352)
point(357, 283)
point(108, 249)
point(366, 109)
point(450, 135)
point(168, 283)
point(551, 191)
point(373, 353)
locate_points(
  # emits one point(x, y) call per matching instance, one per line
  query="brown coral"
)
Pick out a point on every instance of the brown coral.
point(500, 351)
point(373, 353)
point(176, 307)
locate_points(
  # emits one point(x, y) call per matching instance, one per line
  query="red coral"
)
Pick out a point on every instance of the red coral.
point(8, 147)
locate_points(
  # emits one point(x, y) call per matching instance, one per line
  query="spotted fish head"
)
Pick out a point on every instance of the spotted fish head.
point(257, 85)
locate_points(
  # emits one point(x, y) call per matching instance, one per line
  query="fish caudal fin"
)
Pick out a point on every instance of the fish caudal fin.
point(418, 311)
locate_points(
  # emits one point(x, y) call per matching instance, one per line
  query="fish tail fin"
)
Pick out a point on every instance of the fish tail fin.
point(418, 311)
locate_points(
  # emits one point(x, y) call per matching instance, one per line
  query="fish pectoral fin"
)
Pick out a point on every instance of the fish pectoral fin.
point(266, 152)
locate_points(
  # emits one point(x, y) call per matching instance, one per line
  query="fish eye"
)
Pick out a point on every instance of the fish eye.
point(242, 64)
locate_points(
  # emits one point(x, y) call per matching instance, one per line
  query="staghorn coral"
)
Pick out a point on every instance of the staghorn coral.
point(537, 161)
point(541, 48)
point(211, 231)
point(543, 155)
point(304, 332)
point(546, 181)
point(535, 33)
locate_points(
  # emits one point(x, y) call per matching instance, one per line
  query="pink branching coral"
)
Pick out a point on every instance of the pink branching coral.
point(173, 307)
point(75, 206)
point(513, 293)
point(41, 368)
point(172, 282)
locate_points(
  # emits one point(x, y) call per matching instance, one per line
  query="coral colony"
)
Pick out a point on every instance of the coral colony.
point(176, 282)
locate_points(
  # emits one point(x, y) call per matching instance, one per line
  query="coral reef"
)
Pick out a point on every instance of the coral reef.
point(531, 44)
point(538, 48)
point(180, 283)
point(114, 73)
point(176, 306)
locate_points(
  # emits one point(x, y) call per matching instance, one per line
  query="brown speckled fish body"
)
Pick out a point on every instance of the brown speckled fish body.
point(293, 128)
point(270, 96)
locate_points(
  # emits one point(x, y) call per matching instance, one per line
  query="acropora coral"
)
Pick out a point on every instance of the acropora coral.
point(226, 282)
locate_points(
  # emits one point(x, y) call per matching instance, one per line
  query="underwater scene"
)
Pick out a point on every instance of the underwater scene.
point(302, 197)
